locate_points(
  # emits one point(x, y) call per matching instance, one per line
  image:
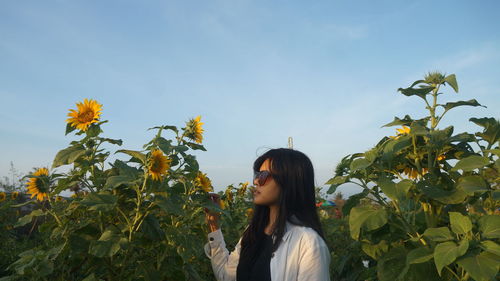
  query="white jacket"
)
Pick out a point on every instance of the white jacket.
point(302, 256)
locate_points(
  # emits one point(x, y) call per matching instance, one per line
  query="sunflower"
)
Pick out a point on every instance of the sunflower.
point(441, 157)
point(36, 187)
point(87, 113)
point(3, 196)
point(194, 130)
point(412, 173)
point(158, 164)
point(243, 188)
point(59, 198)
point(249, 212)
point(229, 194)
point(222, 204)
point(203, 181)
point(401, 132)
point(14, 195)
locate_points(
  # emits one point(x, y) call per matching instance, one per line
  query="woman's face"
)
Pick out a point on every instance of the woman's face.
point(268, 193)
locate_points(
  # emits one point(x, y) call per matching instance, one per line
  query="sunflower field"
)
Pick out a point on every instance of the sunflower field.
point(428, 209)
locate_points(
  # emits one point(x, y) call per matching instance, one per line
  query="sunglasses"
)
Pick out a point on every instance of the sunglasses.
point(261, 177)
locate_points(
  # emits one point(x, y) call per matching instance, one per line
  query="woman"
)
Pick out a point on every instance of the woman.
point(284, 240)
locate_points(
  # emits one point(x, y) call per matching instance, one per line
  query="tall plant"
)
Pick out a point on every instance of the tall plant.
point(139, 219)
point(433, 194)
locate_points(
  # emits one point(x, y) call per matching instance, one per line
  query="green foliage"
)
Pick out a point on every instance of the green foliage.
point(430, 197)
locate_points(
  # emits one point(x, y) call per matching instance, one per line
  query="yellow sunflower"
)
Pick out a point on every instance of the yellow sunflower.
point(222, 204)
point(203, 181)
point(249, 212)
point(401, 132)
point(14, 195)
point(158, 164)
point(412, 173)
point(36, 187)
point(59, 198)
point(243, 188)
point(87, 113)
point(194, 130)
point(441, 157)
point(3, 196)
point(229, 194)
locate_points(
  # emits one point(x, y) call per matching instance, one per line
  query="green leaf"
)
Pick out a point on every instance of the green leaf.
point(166, 127)
point(472, 184)
point(491, 132)
point(420, 92)
point(136, 154)
point(112, 141)
point(108, 244)
point(393, 146)
point(495, 195)
point(69, 129)
point(419, 255)
point(91, 277)
point(406, 121)
point(375, 251)
point(151, 228)
point(444, 254)
point(462, 137)
point(482, 267)
point(495, 151)
point(490, 246)
point(171, 204)
point(395, 191)
point(68, 155)
point(99, 201)
point(460, 224)
point(470, 163)
point(336, 182)
point(450, 105)
point(196, 146)
point(438, 234)
point(489, 225)
point(29, 217)
point(366, 218)
point(94, 130)
point(452, 81)
point(455, 196)
point(165, 145)
point(115, 181)
point(359, 163)
point(392, 266)
point(352, 201)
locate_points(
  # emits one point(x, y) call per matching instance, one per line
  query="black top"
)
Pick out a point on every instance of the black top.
point(261, 269)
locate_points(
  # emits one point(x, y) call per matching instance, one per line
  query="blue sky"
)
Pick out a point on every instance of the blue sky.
point(322, 72)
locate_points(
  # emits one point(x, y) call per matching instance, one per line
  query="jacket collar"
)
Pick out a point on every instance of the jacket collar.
point(289, 226)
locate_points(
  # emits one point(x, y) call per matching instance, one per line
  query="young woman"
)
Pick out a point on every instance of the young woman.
point(284, 240)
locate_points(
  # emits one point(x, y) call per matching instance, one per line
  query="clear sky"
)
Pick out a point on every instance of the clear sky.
point(258, 72)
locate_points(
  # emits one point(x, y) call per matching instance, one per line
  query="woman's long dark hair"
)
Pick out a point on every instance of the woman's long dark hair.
point(293, 172)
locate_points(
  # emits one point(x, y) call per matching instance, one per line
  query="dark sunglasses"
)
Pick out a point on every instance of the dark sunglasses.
point(261, 176)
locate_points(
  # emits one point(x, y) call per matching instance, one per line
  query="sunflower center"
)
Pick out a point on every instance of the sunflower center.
point(156, 166)
point(86, 116)
point(40, 186)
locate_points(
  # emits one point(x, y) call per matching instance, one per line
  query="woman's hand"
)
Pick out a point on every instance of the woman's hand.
point(212, 218)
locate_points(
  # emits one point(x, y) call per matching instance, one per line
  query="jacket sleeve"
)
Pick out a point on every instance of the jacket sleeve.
point(314, 260)
point(224, 264)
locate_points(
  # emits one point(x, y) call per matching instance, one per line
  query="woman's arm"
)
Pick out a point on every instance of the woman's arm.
point(224, 264)
point(314, 261)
